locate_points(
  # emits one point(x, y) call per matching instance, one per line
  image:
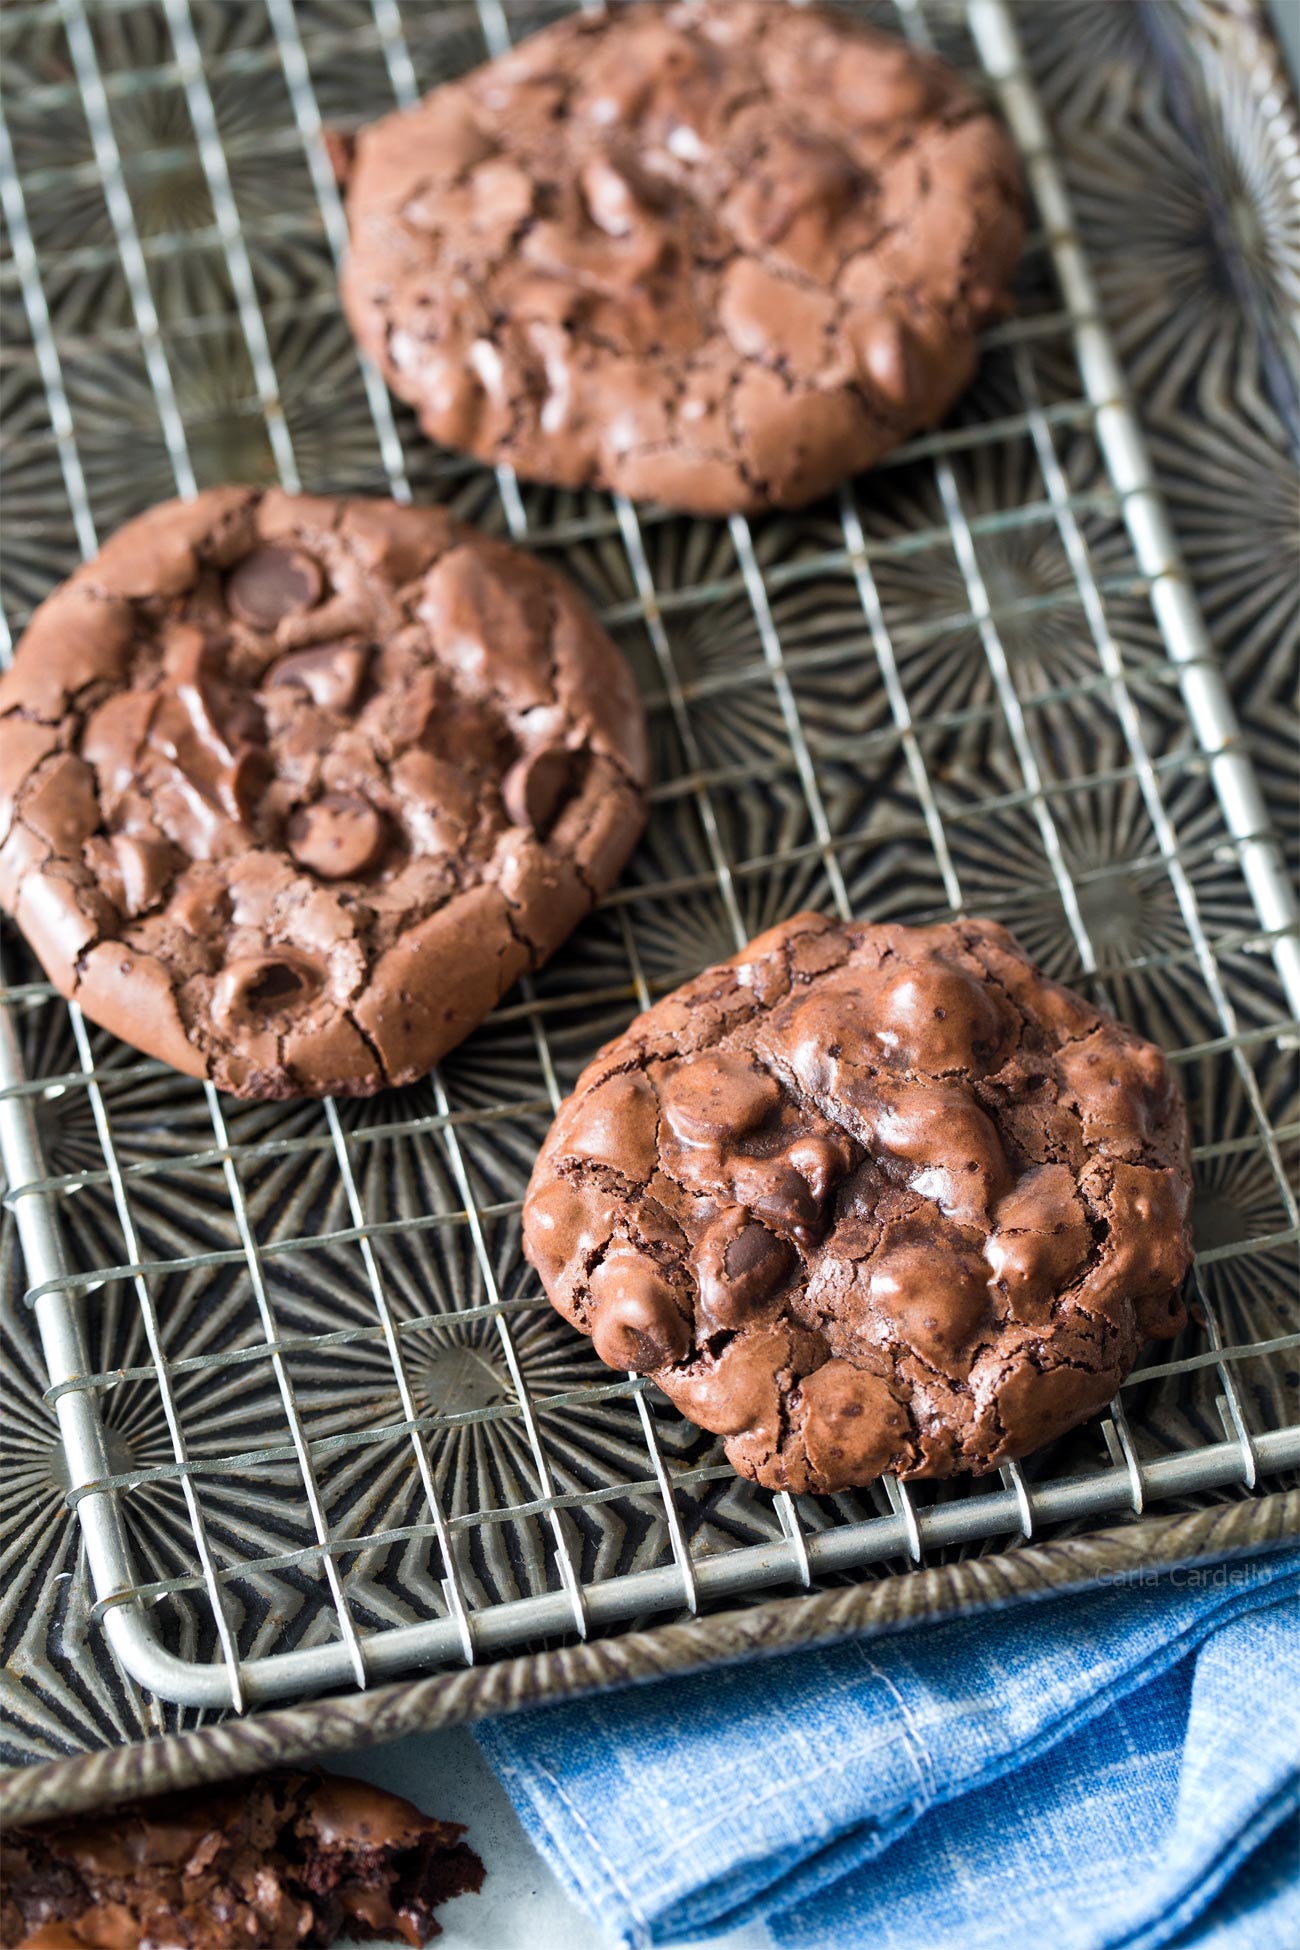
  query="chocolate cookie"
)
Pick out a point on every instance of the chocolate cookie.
point(718, 254)
point(869, 1199)
point(280, 1861)
point(292, 790)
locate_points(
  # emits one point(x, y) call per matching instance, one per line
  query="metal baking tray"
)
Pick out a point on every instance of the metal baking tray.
point(285, 1363)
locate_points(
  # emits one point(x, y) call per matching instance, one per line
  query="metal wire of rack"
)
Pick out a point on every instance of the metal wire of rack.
point(319, 1428)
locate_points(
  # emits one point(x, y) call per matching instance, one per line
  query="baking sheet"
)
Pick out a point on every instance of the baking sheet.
point(901, 699)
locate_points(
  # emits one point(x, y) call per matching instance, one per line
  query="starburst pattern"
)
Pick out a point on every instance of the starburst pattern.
point(1125, 902)
point(1245, 1193)
point(1200, 284)
point(1028, 578)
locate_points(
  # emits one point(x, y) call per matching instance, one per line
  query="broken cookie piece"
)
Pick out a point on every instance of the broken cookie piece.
point(292, 790)
point(280, 1862)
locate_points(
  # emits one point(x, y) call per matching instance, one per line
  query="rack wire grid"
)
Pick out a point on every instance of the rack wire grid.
point(320, 1426)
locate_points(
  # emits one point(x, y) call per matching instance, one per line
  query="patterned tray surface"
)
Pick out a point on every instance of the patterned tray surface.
point(820, 739)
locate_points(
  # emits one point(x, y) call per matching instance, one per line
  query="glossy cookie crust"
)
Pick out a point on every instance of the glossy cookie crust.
point(719, 254)
point(292, 790)
point(870, 1199)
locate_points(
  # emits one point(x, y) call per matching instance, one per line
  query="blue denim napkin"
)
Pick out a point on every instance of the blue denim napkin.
point(1084, 1772)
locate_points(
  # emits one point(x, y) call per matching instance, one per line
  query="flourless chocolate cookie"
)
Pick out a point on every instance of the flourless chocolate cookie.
point(283, 1861)
point(870, 1199)
point(718, 254)
point(292, 790)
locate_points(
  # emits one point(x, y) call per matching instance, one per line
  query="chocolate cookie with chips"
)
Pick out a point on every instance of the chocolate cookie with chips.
point(718, 254)
point(868, 1200)
point(292, 790)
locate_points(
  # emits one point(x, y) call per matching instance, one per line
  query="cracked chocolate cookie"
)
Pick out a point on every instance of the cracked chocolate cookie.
point(281, 1862)
point(870, 1199)
point(292, 790)
point(720, 254)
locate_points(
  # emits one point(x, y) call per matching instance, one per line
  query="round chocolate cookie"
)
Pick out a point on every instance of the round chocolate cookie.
point(291, 790)
point(719, 254)
point(869, 1199)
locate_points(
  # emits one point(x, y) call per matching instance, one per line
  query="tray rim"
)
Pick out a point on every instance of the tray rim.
point(934, 1594)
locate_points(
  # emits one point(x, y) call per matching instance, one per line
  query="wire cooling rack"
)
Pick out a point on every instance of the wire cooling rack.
point(317, 1424)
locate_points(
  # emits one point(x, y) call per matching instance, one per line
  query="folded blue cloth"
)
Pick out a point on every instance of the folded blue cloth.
point(1260, 1908)
point(1086, 1771)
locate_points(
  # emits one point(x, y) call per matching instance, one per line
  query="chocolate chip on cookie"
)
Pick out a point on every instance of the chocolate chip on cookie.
point(292, 790)
point(870, 1199)
point(719, 254)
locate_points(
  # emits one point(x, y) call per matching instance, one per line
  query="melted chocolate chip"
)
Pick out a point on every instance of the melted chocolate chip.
point(330, 673)
point(740, 1265)
point(272, 583)
point(536, 787)
point(260, 987)
point(755, 1253)
point(716, 1094)
point(339, 837)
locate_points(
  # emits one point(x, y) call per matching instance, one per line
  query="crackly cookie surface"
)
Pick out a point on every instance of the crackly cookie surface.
point(718, 254)
point(292, 790)
point(277, 1863)
point(870, 1199)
